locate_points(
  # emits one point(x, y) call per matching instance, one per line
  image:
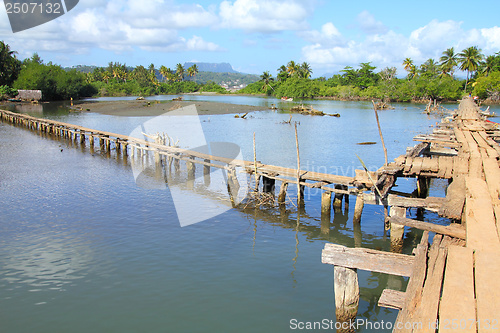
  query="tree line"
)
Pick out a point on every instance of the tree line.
point(430, 80)
point(114, 80)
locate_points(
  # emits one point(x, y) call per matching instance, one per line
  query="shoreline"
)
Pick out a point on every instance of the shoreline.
point(143, 108)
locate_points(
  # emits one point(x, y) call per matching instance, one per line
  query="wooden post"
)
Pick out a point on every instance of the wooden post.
point(91, 140)
point(177, 164)
point(358, 208)
point(300, 197)
point(380, 132)
point(282, 194)
point(300, 188)
point(206, 173)
point(233, 185)
point(191, 168)
point(268, 185)
point(125, 148)
point(422, 187)
point(108, 144)
point(337, 201)
point(346, 288)
point(326, 203)
point(397, 231)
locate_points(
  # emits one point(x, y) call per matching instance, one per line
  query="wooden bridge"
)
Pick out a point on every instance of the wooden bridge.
point(453, 283)
point(450, 280)
point(166, 156)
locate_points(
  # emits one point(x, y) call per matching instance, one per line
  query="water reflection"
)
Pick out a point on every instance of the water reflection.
point(46, 262)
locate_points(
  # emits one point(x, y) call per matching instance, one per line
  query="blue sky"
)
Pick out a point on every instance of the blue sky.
point(259, 35)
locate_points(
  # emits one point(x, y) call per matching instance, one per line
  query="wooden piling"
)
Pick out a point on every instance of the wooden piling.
point(337, 201)
point(346, 288)
point(358, 208)
point(191, 168)
point(233, 185)
point(282, 193)
point(397, 230)
point(268, 185)
point(326, 203)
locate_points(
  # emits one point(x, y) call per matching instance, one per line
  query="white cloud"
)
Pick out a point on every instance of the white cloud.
point(390, 48)
point(369, 25)
point(118, 26)
point(329, 36)
point(265, 16)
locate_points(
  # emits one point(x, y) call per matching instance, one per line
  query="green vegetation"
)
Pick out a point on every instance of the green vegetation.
point(430, 80)
point(54, 82)
point(10, 67)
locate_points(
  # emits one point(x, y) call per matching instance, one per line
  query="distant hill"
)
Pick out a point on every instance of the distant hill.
point(222, 67)
point(229, 79)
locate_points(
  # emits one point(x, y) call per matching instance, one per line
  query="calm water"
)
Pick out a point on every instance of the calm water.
point(84, 249)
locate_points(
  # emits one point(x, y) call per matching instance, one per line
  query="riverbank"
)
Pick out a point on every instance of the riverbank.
point(156, 108)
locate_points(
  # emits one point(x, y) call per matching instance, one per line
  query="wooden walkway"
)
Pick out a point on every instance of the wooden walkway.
point(453, 285)
point(164, 155)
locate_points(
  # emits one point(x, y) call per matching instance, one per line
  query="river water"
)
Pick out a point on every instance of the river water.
point(84, 249)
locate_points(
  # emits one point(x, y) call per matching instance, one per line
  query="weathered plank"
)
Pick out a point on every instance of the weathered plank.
point(416, 166)
point(427, 312)
point(457, 301)
point(368, 259)
point(487, 271)
point(479, 218)
point(455, 199)
point(414, 288)
point(392, 299)
point(450, 230)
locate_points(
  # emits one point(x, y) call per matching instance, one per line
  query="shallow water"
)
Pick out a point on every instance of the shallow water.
point(83, 248)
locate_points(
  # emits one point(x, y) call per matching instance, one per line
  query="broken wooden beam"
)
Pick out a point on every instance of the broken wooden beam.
point(368, 259)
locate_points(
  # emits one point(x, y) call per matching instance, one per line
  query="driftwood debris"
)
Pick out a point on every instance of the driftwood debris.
point(309, 110)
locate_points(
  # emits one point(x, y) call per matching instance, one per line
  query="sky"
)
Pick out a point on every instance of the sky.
point(259, 35)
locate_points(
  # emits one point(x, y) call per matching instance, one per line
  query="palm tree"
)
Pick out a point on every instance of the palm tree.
point(9, 65)
point(266, 78)
point(164, 72)
point(292, 68)
point(429, 68)
point(410, 68)
point(489, 63)
point(469, 59)
point(448, 62)
point(180, 72)
point(152, 74)
point(194, 69)
point(282, 73)
point(305, 70)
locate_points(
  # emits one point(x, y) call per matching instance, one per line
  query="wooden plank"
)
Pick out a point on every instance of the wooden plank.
point(461, 165)
point(444, 143)
point(449, 168)
point(480, 222)
point(427, 312)
point(418, 149)
point(416, 166)
point(429, 164)
point(475, 163)
point(408, 164)
point(457, 301)
point(450, 230)
point(392, 299)
point(487, 271)
point(414, 288)
point(455, 199)
point(443, 151)
point(367, 259)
